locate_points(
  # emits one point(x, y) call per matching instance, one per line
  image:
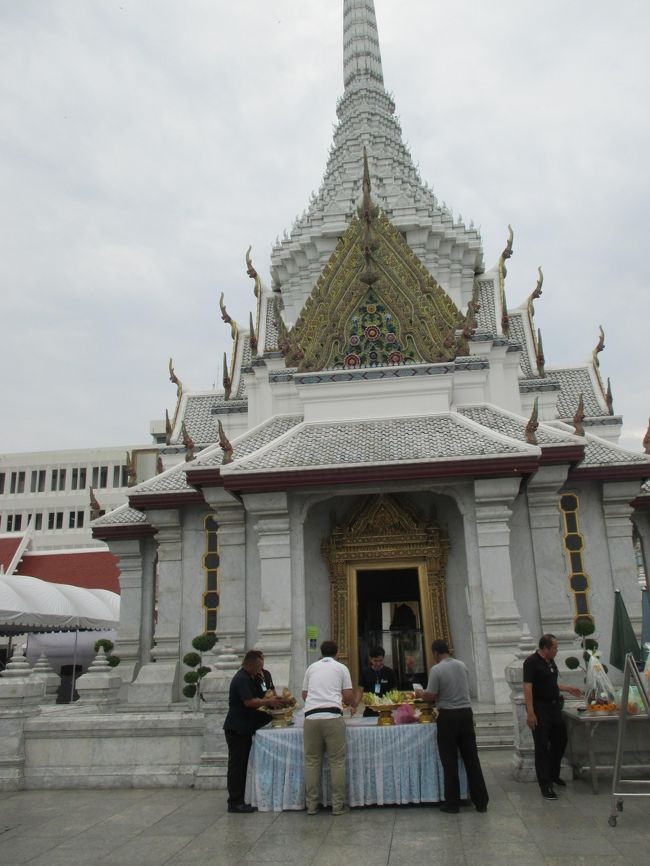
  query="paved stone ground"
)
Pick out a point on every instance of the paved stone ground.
point(192, 828)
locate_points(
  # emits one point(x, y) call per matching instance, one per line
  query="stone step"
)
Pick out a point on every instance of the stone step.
point(494, 727)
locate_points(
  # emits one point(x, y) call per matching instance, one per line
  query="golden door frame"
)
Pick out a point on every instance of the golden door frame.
point(383, 533)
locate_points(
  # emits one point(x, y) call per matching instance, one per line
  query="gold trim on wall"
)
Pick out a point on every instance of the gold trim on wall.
point(383, 533)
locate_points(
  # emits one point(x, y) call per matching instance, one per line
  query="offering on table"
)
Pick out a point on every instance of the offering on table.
point(599, 692)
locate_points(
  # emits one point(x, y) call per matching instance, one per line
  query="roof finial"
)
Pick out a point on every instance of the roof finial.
point(361, 54)
point(646, 440)
point(227, 382)
point(252, 338)
point(188, 442)
point(599, 347)
point(541, 360)
point(533, 424)
point(95, 507)
point(505, 255)
point(174, 378)
point(131, 471)
point(227, 318)
point(609, 399)
point(226, 447)
point(368, 211)
point(252, 273)
point(168, 429)
point(579, 417)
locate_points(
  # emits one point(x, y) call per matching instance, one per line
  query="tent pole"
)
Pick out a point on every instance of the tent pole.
point(74, 666)
point(27, 644)
point(9, 649)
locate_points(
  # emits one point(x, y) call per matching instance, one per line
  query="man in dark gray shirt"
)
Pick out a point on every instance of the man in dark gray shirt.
point(448, 688)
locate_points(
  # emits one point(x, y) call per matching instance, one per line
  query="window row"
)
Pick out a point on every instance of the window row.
point(44, 520)
point(78, 477)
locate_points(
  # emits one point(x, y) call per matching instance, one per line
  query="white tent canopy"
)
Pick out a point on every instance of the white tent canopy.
point(28, 604)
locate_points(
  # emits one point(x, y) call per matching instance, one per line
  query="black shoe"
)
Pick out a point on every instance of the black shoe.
point(451, 810)
point(548, 793)
point(481, 808)
point(560, 783)
point(243, 808)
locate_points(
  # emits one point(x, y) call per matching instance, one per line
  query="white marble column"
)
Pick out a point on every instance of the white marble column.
point(157, 682)
point(230, 516)
point(551, 566)
point(129, 555)
point(493, 499)
point(271, 516)
point(617, 511)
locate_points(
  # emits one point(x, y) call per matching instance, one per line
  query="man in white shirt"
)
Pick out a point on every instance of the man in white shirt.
point(326, 686)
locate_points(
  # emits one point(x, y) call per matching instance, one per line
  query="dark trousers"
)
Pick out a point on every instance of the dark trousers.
point(456, 734)
point(550, 738)
point(239, 747)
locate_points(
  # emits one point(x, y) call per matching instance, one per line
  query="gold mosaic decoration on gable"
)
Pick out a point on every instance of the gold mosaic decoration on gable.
point(400, 317)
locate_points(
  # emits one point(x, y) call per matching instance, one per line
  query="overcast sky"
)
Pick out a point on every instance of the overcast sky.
point(144, 144)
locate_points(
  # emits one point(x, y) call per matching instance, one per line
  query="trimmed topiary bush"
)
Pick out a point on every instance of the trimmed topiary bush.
point(202, 643)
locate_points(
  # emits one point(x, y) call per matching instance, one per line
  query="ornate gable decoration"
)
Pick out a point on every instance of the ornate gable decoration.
point(374, 305)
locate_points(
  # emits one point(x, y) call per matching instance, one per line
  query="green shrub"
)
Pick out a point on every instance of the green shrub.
point(192, 660)
point(189, 691)
point(106, 645)
point(204, 642)
point(584, 626)
point(572, 663)
point(192, 677)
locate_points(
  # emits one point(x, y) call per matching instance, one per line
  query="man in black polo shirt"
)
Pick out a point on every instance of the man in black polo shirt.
point(376, 679)
point(544, 713)
point(242, 721)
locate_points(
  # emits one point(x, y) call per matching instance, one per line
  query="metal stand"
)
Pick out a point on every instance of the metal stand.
point(620, 788)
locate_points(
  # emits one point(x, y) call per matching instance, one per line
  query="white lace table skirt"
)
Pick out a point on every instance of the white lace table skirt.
point(388, 765)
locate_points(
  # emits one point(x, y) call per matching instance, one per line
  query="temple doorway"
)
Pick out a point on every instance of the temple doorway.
point(389, 614)
point(387, 580)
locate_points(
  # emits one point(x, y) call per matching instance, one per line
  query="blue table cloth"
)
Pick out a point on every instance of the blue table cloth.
point(385, 765)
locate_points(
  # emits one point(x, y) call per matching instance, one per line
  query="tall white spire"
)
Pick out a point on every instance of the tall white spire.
point(361, 54)
point(366, 120)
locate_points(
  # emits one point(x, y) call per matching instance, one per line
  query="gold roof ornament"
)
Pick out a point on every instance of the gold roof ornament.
point(539, 354)
point(534, 296)
point(252, 338)
point(503, 271)
point(159, 464)
point(175, 380)
point(374, 304)
point(579, 417)
point(252, 273)
point(227, 381)
point(368, 212)
point(609, 399)
point(646, 440)
point(234, 329)
point(225, 445)
point(179, 391)
point(95, 507)
point(533, 423)
point(599, 347)
point(131, 470)
point(168, 429)
point(188, 442)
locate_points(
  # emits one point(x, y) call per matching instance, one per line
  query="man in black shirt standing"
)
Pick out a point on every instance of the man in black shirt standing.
point(544, 713)
point(376, 679)
point(242, 721)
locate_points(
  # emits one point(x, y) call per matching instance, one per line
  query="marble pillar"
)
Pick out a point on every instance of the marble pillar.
point(230, 516)
point(493, 499)
point(20, 696)
point(551, 568)
point(129, 554)
point(270, 514)
point(617, 511)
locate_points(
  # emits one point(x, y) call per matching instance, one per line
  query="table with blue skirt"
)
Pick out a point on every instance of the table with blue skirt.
point(396, 764)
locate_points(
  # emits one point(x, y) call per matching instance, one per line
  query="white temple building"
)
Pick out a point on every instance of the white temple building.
point(392, 458)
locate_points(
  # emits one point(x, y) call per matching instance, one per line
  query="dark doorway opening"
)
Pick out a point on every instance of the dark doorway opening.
point(389, 614)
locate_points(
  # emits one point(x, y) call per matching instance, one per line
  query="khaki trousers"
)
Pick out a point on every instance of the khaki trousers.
point(324, 735)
